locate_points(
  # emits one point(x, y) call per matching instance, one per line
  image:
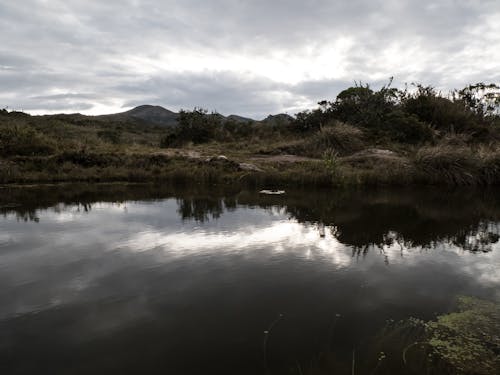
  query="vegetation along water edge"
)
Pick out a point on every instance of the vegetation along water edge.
point(389, 136)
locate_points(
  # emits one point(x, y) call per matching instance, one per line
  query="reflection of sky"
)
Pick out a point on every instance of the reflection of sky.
point(70, 252)
point(277, 235)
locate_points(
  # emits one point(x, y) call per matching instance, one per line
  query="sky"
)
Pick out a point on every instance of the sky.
point(252, 57)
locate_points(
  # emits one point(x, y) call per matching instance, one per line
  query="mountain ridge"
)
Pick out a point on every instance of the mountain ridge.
point(151, 114)
point(158, 115)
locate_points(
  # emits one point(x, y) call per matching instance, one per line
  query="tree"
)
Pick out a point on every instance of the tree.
point(360, 105)
point(195, 126)
point(483, 99)
point(445, 114)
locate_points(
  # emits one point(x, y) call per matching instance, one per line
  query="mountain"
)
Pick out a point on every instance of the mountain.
point(156, 115)
point(159, 116)
point(237, 118)
point(149, 114)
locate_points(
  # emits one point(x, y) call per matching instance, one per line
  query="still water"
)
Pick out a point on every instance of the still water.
point(118, 279)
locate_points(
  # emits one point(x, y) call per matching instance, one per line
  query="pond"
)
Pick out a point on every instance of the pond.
point(143, 279)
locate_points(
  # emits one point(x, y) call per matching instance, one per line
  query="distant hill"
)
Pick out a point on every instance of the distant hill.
point(154, 115)
point(237, 118)
point(157, 115)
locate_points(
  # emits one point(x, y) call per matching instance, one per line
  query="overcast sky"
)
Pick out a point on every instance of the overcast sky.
point(252, 57)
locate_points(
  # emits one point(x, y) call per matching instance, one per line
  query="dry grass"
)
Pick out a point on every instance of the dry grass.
point(459, 165)
point(53, 150)
point(344, 139)
point(490, 164)
point(451, 164)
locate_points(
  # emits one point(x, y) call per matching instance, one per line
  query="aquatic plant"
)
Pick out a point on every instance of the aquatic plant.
point(469, 339)
point(463, 342)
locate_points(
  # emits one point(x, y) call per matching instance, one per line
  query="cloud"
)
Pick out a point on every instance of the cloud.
point(251, 58)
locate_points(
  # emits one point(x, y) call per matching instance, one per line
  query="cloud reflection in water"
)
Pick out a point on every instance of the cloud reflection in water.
point(278, 237)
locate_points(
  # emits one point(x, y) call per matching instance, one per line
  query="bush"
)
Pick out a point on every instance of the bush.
point(343, 138)
point(171, 139)
point(307, 121)
point(490, 168)
point(405, 128)
point(87, 159)
point(24, 141)
point(442, 113)
point(195, 126)
point(110, 136)
point(456, 165)
point(364, 107)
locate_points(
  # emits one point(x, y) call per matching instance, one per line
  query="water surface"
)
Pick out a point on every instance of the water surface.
point(118, 279)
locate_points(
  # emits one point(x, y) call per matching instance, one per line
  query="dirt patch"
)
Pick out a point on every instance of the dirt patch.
point(281, 159)
point(189, 154)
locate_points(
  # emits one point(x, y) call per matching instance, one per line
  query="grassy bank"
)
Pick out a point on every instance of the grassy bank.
point(364, 137)
point(427, 165)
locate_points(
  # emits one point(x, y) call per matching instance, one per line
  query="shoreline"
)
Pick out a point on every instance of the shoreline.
point(370, 167)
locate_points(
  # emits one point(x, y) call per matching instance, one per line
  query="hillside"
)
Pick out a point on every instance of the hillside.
point(148, 114)
point(237, 118)
point(157, 115)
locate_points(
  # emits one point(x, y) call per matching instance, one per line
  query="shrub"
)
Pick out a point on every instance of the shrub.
point(456, 165)
point(111, 136)
point(24, 141)
point(171, 139)
point(307, 121)
point(405, 128)
point(429, 107)
point(195, 126)
point(87, 159)
point(362, 106)
point(343, 138)
point(480, 98)
point(490, 168)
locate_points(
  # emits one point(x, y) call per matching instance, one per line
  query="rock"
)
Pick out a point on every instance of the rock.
point(216, 159)
point(222, 161)
point(272, 192)
point(193, 155)
point(375, 152)
point(249, 167)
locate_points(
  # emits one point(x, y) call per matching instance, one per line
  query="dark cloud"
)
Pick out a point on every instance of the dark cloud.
point(251, 58)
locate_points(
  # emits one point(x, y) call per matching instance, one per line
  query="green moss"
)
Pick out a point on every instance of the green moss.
point(470, 338)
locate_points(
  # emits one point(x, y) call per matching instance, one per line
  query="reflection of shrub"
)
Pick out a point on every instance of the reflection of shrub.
point(24, 141)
